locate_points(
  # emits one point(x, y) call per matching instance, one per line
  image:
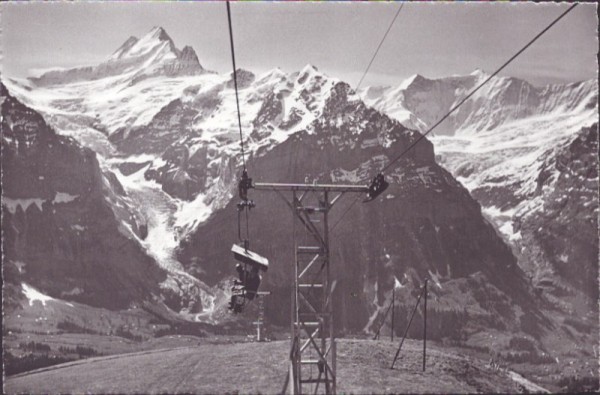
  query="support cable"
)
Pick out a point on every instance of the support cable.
point(345, 212)
point(237, 100)
point(356, 90)
point(379, 46)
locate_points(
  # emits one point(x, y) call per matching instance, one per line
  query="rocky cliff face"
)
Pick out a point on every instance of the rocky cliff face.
point(556, 240)
point(63, 231)
point(424, 226)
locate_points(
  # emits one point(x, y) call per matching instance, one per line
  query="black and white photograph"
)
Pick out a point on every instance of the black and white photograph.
point(299, 197)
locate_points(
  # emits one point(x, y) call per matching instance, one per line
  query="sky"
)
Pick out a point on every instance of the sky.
point(339, 38)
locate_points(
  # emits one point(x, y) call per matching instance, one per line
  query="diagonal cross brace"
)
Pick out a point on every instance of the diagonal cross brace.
point(312, 230)
point(316, 347)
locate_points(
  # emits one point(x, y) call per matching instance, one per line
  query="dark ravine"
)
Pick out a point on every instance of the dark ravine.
point(73, 244)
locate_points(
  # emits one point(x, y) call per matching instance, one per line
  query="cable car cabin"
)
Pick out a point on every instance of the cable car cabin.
point(250, 258)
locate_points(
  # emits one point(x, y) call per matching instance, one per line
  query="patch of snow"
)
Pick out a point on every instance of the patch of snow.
point(74, 291)
point(368, 143)
point(397, 283)
point(32, 294)
point(197, 210)
point(530, 386)
point(62, 197)
point(515, 236)
point(20, 266)
point(436, 278)
point(507, 229)
point(12, 204)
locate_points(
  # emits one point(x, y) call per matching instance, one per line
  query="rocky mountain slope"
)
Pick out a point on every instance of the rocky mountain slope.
point(172, 142)
point(66, 226)
point(510, 144)
point(557, 236)
point(426, 225)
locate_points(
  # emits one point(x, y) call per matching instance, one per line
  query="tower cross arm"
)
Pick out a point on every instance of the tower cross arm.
point(267, 186)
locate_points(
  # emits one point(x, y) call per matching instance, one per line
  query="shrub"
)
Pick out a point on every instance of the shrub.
point(18, 364)
point(82, 351)
point(71, 327)
point(581, 327)
point(188, 329)
point(34, 346)
point(521, 344)
point(122, 332)
point(527, 357)
point(574, 385)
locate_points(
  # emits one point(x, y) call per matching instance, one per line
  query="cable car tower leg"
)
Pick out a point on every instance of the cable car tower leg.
point(328, 300)
point(295, 352)
point(313, 338)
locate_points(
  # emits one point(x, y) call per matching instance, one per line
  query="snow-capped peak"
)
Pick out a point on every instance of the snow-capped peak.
point(118, 54)
point(480, 75)
point(309, 68)
point(157, 38)
point(152, 55)
point(479, 72)
point(416, 78)
point(307, 73)
point(159, 33)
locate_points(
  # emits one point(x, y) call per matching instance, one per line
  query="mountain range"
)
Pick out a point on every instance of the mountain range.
point(508, 145)
point(153, 138)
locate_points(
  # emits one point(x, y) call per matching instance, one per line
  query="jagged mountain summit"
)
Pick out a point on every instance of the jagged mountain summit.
point(152, 55)
point(419, 102)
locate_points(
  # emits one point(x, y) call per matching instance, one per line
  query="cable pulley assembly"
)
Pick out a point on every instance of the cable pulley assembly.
point(376, 188)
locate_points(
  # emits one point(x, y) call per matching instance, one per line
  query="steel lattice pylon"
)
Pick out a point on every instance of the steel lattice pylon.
point(313, 349)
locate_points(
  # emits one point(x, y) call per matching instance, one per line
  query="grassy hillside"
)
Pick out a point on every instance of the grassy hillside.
point(250, 367)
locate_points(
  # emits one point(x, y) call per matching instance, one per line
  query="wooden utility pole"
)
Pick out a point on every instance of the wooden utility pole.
point(393, 307)
point(261, 314)
point(425, 325)
point(407, 327)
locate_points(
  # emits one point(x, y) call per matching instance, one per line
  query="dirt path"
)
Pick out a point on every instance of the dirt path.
point(363, 367)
